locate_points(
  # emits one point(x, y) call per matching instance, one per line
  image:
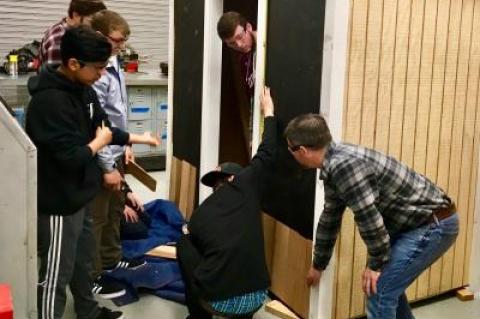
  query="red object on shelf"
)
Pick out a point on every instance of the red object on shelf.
point(6, 304)
point(131, 67)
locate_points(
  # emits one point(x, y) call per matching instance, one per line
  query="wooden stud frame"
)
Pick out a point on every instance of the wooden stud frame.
point(475, 254)
point(212, 81)
point(171, 65)
point(331, 105)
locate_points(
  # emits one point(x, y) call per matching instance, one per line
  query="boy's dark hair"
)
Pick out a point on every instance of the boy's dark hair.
point(85, 8)
point(84, 44)
point(309, 130)
point(228, 23)
point(107, 21)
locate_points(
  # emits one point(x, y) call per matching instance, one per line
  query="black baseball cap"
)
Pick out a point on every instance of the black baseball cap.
point(222, 171)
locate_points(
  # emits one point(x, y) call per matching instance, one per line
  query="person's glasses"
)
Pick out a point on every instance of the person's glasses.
point(294, 148)
point(118, 41)
point(96, 65)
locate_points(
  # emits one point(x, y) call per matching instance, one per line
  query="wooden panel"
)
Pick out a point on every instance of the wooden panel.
point(413, 76)
point(456, 254)
point(399, 78)
point(191, 191)
point(187, 79)
point(470, 152)
point(445, 155)
point(423, 109)
point(346, 272)
point(183, 186)
point(436, 101)
point(269, 225)
point(367, 138)
point(386, 73)
point(292, 259)
point(411, 95)
point(175, 178)
point(401, 64)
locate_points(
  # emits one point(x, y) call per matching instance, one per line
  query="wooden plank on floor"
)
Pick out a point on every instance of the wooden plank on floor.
point(438, 81)
point(459, 143)
point(423, 110)
point(465, 295)
point(279, 310)
point(163, 251)
point(445, 155)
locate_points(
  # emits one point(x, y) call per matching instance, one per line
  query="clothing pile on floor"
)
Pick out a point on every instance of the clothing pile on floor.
point(160, 277)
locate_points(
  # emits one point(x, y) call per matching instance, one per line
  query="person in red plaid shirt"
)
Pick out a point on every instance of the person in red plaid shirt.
point(79, 12)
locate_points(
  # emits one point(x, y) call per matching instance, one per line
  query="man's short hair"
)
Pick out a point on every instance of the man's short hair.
point(85, 8)
point(107, 21)
point(228, 23)
point(84, 44)
point(309, 130)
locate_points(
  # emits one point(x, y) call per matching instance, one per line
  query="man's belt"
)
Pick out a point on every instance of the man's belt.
point(441, 213)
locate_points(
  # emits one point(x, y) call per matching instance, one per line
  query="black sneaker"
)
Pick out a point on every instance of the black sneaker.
point(106, 313)
point(127, 264)
point(108, 288)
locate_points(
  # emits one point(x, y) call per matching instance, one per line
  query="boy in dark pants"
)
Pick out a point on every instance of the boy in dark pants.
point(222, 259)
point(68, 127)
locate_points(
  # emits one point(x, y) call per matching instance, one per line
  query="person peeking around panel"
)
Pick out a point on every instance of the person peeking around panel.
point(238, 34)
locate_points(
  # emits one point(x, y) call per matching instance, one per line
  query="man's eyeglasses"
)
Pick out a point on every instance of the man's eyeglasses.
point(294, 148)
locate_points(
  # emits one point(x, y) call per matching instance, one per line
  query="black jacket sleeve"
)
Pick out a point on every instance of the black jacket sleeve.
point(266, 151)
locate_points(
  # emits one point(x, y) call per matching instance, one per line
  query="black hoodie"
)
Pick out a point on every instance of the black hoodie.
point(61, 120)
point(225, 248)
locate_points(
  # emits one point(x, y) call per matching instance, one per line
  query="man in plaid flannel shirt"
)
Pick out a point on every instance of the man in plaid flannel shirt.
point(79, 12)
point(405, 220)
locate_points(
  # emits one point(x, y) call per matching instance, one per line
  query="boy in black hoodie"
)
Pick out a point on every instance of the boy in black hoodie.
point(68, 127)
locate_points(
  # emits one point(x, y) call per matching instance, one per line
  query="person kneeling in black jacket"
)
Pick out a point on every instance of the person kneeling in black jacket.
point(222, 257)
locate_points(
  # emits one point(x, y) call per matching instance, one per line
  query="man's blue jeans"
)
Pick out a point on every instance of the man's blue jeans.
point(412, 253)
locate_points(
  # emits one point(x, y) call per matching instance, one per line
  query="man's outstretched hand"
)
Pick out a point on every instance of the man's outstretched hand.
point(266, 102)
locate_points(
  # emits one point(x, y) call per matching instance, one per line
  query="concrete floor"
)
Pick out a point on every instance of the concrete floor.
point(444, 307)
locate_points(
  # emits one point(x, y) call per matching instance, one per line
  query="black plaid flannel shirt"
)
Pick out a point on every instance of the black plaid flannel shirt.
point(386, 198)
